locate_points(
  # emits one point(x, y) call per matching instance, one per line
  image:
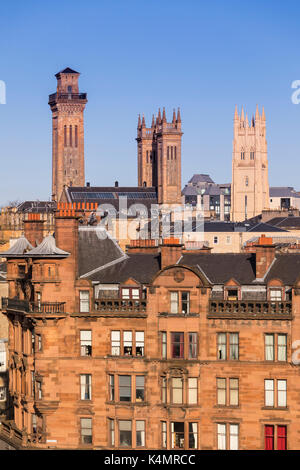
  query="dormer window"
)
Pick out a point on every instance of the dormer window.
point(232, 294)
point(275, 295)
point(130, 293)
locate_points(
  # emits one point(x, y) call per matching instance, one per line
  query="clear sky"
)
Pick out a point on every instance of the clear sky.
point(135, 56)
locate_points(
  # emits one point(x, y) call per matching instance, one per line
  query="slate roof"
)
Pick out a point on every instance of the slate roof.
point(221, 267)
point(283, 191)
point(111, 195)
point(265, 227)
point(286, 222)
point(200, 179)
point(67, 70)
point(37, 206)
point(18, 249)
point(96, 249)
point(47, 248)
point(139, 266)
point(286, 268)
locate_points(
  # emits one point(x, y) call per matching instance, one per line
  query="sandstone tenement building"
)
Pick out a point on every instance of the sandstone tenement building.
point(156, 348)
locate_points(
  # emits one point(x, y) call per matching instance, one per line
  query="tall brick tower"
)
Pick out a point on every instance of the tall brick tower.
point(250, 186)
point(67, 106)
point(159, 156)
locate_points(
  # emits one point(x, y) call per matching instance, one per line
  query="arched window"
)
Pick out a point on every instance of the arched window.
point(70, 136)
point(247, 181)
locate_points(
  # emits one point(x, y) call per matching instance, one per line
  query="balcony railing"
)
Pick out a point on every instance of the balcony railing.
point(67, 96)
point(120, 305)
point(33, 307)
point(243, 307)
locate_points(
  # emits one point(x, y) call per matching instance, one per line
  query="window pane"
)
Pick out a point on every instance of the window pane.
point(140, 433)
point(233, 346)
point(221, 429)
point(192, 391)
point(115, 343)
point(233, 437)
point(221, 391)
point(282, 343)
point(177, 390)
point(124, 388)
point(177, 346)
point(269, 392)
point(193, 338)
point(222, 346)
point(125, 437)
point(193, 436)
point(269, 347)
point(164, 434)
point(140, 387)
point(234, 392)
point(281, 387)
point(86, 430)
point(174, 302)
point(139, 343)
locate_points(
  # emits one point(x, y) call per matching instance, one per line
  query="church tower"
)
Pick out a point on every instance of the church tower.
point(67, 106)
point(250, 186)
point(159, 156)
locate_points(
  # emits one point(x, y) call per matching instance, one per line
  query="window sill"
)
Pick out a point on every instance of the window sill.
point(179, 315)
point(275, 408)
point(127, 403)
point(123, 356)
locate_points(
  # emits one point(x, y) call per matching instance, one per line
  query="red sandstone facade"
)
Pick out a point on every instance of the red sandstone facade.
point(171, 363)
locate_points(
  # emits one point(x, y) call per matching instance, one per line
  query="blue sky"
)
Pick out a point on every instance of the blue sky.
point(135, 56)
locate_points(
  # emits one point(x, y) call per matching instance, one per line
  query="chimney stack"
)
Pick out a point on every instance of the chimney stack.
point(170, 252)
point(264, 255)
point(34, 229)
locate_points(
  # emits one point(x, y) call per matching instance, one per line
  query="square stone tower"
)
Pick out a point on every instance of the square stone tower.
point(250, 186)
point(67, 106)
point(159, 156)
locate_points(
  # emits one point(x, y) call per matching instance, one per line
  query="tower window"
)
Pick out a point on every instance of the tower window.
point(252, 155)
point(70, 136)
point(76, 136)
point(242, 155)
point(175, 153)
point(168, 153)
point(172, 153)
point(69, 89)
point(65, 136)
point(247, 181)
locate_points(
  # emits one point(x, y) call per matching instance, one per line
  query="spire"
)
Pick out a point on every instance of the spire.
point(164, 119)
point(246, 120)
point(174, 117)
point(159, 116)
point(143, 122)
point(139, 121)
point(153, 121)
point(257, 113)
point(263, 116)
point(253, 121)
point(178, 115)
point(242, 114)
point(236, 115)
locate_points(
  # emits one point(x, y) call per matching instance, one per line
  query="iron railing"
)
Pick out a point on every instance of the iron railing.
point(250, 307)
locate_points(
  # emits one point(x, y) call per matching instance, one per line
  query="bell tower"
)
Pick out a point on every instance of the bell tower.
point(250, 185)
point(67, 106)
point(159, 156)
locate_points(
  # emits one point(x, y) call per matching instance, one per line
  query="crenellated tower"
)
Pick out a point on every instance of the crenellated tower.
point(67, 106)
point(159, 156)
point(250, 186)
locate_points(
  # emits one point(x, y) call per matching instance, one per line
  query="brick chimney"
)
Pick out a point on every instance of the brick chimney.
point(264, 255)
point(34, 229)
point(66, 237)
point(170, 252)
point(142, 246)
